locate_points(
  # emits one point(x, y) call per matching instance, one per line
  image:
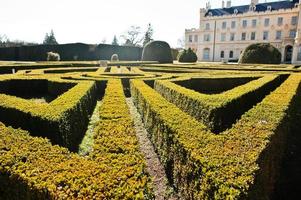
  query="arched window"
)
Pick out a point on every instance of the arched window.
point(222, 54)
point(206, 54)
point(231, 54)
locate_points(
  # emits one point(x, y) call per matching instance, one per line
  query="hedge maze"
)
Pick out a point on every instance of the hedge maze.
point(219, 131)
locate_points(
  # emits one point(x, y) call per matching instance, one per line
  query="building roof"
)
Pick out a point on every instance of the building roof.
point(261, 7)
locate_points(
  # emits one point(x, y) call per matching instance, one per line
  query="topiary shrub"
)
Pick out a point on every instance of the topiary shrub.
point(157, 51)
point(187, 56)
point(52, 56)
point(114, 58)
point(261, 53)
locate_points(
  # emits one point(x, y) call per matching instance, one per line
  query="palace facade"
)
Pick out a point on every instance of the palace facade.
point(225, 32)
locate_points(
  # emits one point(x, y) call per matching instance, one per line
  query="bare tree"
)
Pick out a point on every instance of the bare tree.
point(133, 36)
point(3, 40)
point(181, 42)
point(104, 41)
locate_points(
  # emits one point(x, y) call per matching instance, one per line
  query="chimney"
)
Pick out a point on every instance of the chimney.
point(223, 4)
point(229, 4)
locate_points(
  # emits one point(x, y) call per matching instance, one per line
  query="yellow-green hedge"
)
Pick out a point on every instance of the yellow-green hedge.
point(219, 111)
point(63, 120)
point(31, 168)
point(240, 163)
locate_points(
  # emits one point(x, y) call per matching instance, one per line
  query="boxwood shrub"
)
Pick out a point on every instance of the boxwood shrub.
point(261, 53)
point(157, 51)
point(240, 163)
point(187, 56)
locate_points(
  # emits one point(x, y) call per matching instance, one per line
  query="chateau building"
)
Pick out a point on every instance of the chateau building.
point(225, 32)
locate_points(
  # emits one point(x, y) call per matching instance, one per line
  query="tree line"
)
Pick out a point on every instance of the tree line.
point(132, 37)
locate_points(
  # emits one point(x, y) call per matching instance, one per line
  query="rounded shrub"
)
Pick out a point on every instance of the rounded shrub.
point(52, 56)
point(114, 58)
point(157, 51)
point(261, 53)
point(187, 56)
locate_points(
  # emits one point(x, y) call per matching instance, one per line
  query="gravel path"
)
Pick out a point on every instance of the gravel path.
point(154, 166)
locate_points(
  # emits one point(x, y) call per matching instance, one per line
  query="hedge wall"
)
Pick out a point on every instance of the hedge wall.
point(32, 168)
point(69, 52)
point(219, 111)
point(63, 120)
point(241, 163)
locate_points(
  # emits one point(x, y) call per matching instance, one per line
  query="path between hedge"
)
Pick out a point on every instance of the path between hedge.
point(154, 166)
point(86, 146)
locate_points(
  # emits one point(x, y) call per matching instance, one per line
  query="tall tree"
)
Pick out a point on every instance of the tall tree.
point(115, 41)
point(148, 36)
point(50, 38)
point(133, 36)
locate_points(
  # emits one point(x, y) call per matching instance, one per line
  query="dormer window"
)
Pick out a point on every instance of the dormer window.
point(252, 7)
point(269, 8)
point(235, 11)
point(210, 14)
point(296, 5)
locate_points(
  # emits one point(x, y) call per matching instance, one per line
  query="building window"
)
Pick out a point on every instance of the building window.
point(196, 38)
point(207, 37)
point(231, 54)
point(299, 54)
point(224, 25)
point(222, 54)
point(266, 22)
point(292, 33)
point(223, 37)
point(280, 21)
point(294, 20)
point(254, 22)
point(232, 36)
point(253, 35)
point(190, 38)
point(244, 23)
point(265, 35)
point(207, 26)
point(206, 54)
point(233, 24)
point(243, 36)
point(278, 35)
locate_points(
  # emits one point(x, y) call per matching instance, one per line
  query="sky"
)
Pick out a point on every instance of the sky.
point(93, 21)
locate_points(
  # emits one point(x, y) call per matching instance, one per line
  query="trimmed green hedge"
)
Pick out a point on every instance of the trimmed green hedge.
point(70, 52)
point(240, 163)
point(32, 168)
point(261, 53)
point(219, 111)
point(63, 120)
point(187, 56)
point(213, 85)
point(157, 51)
